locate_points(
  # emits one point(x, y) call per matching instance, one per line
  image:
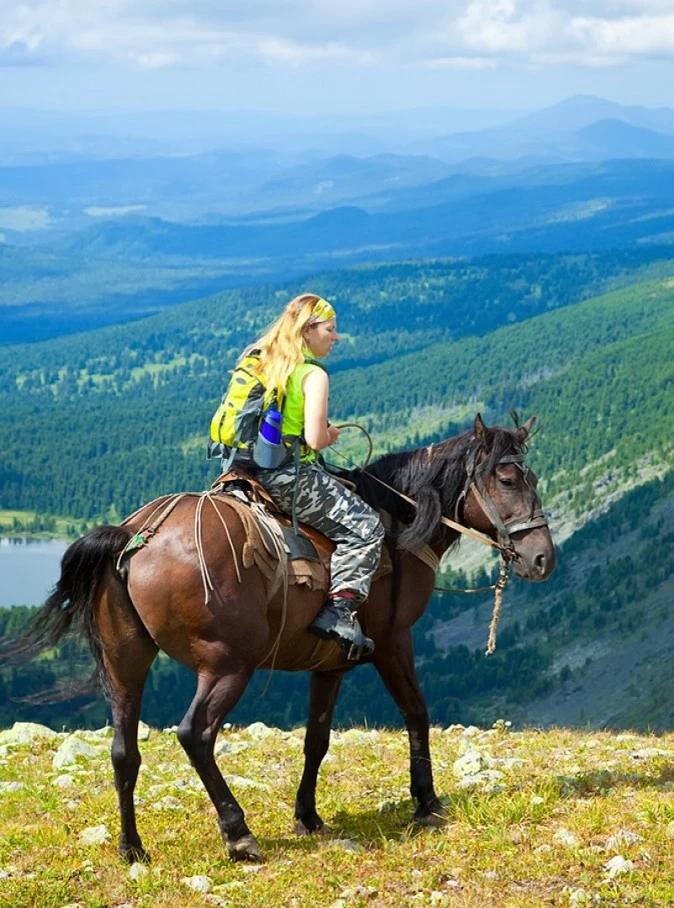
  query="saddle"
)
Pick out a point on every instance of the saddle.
point(308, 551)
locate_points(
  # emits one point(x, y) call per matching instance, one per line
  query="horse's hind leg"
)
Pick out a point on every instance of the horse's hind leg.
point(323, 696)
point(197, 732)
point(128, 651)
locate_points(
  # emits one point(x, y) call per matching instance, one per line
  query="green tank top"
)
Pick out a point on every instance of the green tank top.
point(293, 407)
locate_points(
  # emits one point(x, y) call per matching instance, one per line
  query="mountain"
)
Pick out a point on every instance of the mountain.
point(551, 135)
point(615, 138)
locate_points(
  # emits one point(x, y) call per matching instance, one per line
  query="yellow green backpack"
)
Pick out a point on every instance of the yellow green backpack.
point(236, 422)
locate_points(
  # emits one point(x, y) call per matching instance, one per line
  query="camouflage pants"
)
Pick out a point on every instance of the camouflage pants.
point(337, 512)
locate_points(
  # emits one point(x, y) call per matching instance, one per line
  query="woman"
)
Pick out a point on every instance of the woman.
point(289, 350)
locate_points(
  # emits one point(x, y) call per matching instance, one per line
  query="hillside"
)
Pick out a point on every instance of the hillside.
point(598, 373)
point(558, 818)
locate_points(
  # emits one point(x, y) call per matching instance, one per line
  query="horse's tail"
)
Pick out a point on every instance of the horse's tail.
point(70, 607)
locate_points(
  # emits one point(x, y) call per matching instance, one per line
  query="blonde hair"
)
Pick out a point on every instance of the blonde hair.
point(282, 345)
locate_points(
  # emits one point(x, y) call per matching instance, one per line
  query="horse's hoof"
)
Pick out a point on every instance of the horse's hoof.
point(134, 854)
point(430, 816)
point(318, 828)
point(245, 849)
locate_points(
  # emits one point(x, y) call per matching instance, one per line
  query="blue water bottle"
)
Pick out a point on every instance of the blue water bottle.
point(270, 427)
point(269, 451)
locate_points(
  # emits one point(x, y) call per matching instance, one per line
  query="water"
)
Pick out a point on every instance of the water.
point(29, 569)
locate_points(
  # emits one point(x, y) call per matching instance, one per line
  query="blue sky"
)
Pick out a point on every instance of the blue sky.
point(343, 56)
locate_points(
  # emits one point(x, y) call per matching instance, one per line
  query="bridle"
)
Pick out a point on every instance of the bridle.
point(504, 529)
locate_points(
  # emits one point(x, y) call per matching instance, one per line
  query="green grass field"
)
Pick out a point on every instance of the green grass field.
point(557, 818)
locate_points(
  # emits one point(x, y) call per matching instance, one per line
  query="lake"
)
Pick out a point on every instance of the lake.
point(29, 569)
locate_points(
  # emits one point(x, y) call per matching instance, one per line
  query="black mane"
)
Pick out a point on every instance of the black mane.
point(433, 476)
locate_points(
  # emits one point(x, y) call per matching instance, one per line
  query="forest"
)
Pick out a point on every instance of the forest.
point(94, 425)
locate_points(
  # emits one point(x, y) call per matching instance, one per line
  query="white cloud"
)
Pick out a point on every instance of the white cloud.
point(460, 34)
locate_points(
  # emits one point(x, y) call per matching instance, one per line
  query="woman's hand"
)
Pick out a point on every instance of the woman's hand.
point(333, 434)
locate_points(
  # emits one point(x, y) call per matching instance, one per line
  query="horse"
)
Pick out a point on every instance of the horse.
point(237, 622)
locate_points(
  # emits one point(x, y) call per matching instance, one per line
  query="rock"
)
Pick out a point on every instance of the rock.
point(579, 897)
point(143, 731)
point(564, 837)
point(230, 747)
point(64, 781)
point(95, 835)
point(9, 787)
point(357, 736)
point(648, 753)
point(243, 782)
point(74, 747)
point(469, 764)
point(259, 731)
point(4, 875)
point(169, 802)
point(471, 731)
point(26, 732)
point(346, 845)
point(617, 866)
point(669, 832)
point(198, 883)
point(622, 837)
point(138, 871)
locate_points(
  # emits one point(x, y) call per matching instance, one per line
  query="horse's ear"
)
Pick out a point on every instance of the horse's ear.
point(522, 432)
point(479, 428)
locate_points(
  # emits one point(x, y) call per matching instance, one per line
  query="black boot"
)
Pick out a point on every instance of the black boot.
point(337, 621)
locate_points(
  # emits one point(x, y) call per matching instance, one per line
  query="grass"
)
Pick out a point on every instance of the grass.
point(536, 828)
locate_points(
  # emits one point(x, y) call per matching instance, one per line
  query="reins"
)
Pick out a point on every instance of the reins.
point(474, 483)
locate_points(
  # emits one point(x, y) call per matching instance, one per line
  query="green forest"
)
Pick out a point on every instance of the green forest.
point(94, 425)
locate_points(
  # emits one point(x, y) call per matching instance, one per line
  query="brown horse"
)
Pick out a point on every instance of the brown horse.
point(161, 601)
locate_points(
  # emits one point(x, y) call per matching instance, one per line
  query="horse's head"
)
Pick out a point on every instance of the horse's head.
point(500, 499)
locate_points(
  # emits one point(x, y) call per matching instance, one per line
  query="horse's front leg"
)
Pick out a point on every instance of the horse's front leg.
point(395, 663)
point(322, 698)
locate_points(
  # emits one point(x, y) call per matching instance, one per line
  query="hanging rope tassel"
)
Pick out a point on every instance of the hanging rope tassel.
point(499, 587)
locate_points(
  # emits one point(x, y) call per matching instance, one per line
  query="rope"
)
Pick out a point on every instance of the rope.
point(498, 602)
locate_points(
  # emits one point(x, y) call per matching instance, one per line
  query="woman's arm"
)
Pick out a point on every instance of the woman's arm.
point(317, 433)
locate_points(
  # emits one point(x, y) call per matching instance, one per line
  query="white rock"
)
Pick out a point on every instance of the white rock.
point(579, 897)
point(170, 730)
point(564, 837)
point(64, 781)
point(471, 731)
point(243, 782)
point(346, 845)
point(469, 764)
point(169, 802)
point(357, 736)
point(137, 871)
point(143, 731)
point(646, 753)
point(198, 883)
point(622, 837)
point(95, 835)
point(617, 866)
point(512, 763)
point(74, 747)
point(537, 799)
point(4, 875)
point(25, 732)
point(9, 787)
point(230, 747)
point(452, 729)
point(259, 731)
point(669, 832)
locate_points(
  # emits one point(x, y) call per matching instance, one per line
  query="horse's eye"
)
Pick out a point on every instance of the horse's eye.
point(507, 482)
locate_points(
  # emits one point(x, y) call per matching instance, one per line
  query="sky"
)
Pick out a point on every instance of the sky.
point(311, 57)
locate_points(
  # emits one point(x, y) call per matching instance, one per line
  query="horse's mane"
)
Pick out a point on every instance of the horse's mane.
point(433, 476)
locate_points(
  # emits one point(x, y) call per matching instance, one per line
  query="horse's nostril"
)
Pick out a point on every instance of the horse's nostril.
point(540, 562)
